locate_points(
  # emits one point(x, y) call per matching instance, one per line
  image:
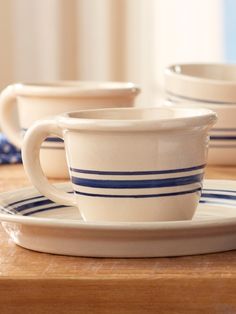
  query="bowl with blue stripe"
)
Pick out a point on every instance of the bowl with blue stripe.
point(130, 164)
point(21, 104)
point(210, 86)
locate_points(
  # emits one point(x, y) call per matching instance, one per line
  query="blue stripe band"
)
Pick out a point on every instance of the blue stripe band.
point(137, 184)
point(223, 138)
point(219, 196)
point(34, 204)
point(32, 199)
point(139, 196)
point(134, 173)
point(54, 139)
point(49, 139)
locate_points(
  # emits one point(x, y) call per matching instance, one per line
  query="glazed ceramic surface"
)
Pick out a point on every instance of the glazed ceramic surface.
point(210, 86)
point(22, 104)
point(36, 223)
point(127, 164)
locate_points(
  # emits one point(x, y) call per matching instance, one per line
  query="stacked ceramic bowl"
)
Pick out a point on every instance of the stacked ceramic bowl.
point(211, 86)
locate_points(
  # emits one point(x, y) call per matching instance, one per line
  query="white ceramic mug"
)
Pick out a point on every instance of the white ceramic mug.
point(132, 164)
point(211, 86)
point(23, 103)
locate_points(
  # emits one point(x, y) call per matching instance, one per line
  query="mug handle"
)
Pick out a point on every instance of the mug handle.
point(33, 139)
point(8, 113)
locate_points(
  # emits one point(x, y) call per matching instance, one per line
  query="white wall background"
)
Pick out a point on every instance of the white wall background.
point(106, 39)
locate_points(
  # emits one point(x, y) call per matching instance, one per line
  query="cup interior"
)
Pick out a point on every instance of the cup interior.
point(138, 119)
point(160, 113)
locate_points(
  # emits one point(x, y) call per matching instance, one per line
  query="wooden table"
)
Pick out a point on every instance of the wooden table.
point(32, 282)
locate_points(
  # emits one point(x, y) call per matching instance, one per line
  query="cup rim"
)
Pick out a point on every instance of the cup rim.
point(198, 117)
point(76, 88)
point(184, 80)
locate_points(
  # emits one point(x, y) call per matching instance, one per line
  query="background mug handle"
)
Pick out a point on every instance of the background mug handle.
point(32, 142)
point(8, 116)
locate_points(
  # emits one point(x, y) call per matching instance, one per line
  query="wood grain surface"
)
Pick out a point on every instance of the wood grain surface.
point(32, 282)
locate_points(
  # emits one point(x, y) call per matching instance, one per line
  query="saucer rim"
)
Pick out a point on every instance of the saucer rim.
point(119, 226)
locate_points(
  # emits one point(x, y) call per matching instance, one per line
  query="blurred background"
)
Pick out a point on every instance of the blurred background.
point(121, 40)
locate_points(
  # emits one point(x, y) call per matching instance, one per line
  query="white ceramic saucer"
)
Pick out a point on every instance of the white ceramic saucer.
point(36, 223)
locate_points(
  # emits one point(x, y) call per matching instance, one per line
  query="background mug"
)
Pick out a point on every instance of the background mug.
point(211, 86)
point(23, 103)
point(132, 164)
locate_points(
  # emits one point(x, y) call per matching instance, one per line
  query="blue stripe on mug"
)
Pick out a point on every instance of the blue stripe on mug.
point(139, 195)
point(132, 173)
point(137, 184)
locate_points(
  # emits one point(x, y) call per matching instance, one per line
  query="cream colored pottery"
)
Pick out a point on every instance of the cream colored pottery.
point(143, 164)
point(211, 86)
point(23, 103)
point(34, 222)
